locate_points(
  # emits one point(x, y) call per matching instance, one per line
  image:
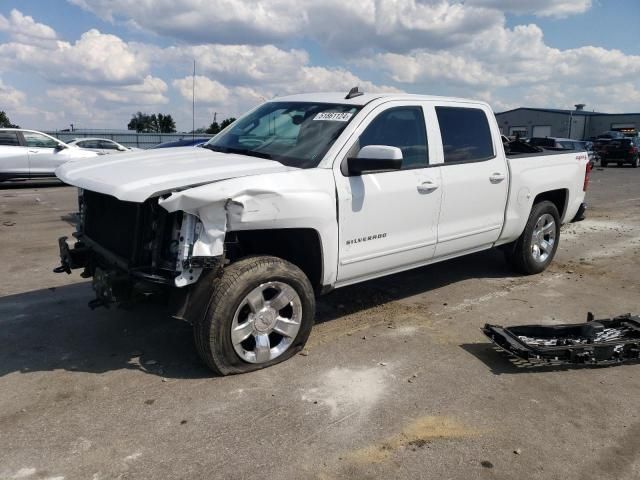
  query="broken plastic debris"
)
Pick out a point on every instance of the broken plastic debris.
point(602, 342)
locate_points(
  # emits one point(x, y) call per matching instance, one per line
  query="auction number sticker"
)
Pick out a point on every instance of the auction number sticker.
point(333, 116)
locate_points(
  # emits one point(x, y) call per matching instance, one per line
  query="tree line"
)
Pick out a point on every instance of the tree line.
point(161, 123)
point(145, 123)
point(5, 122)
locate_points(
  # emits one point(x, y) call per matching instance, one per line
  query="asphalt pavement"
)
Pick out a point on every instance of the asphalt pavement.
point(397, 380)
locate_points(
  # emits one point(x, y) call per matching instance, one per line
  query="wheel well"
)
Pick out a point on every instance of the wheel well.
point(557, 197)
point(300, 246)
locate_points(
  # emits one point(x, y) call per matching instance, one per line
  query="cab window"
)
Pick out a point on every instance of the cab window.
point(466, 136)
point(401, 127)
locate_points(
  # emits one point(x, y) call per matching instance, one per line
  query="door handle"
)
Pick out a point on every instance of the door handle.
point(497, 177)
point(34, 151)
point(427, 186)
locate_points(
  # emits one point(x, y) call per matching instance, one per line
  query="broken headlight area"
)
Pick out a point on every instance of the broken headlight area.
point(601, 342)
point(130, 247)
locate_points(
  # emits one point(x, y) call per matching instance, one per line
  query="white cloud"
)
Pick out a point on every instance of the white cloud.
point(225, 21)
point(108, 106)
point(541, 8)
point(349, 27)
point(250, 75)
point(10, 98)
point(95, 58)
point(516, 61)
point(23, 28)
point(209, 91)
point(237, 63)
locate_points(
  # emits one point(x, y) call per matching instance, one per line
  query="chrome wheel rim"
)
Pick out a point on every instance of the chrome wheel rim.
point(543, 238)
point(266, 322)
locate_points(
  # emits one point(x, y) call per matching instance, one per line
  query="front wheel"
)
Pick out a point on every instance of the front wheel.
point(261, 313)
point(636, 162)
point(537, 245)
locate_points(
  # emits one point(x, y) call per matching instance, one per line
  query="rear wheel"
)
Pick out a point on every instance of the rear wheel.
point(261, 313)
point(537, 245)
point(636, 162)
point(603, 163)
point(620, 164)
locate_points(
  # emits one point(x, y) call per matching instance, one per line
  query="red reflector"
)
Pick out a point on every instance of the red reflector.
point(587, 176)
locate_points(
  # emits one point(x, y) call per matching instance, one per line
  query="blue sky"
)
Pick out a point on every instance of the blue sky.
point(96, 62)
point(609, 24)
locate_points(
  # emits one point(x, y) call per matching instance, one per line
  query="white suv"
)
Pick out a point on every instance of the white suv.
point(31, 154)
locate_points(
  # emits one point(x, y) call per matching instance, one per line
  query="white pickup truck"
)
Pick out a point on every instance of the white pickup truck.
point(305, 194)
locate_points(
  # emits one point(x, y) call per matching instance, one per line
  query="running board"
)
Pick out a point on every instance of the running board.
point(596, 342)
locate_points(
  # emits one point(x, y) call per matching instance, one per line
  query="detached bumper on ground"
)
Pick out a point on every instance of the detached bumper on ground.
point(607, 341)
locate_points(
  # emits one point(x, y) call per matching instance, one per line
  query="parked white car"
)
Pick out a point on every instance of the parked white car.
point(31, 154)
point(309, 193)
point(102, 146)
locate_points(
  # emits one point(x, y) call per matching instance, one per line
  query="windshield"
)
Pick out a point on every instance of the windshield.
point(296, 134)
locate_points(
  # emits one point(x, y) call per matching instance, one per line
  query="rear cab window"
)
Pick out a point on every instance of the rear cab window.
point(466, 136)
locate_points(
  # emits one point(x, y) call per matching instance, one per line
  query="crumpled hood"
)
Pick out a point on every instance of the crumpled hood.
point(137, 176)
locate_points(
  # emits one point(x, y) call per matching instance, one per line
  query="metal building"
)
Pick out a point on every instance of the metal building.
point(578, 124)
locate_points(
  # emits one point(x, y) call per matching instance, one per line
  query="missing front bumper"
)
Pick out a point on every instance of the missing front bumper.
point(602, 342)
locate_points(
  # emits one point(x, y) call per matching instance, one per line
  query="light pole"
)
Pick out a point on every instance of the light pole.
point(570, 123)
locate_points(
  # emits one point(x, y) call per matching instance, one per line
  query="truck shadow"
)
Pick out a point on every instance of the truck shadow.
point(53, 328)
point(35, 183)
point(351, 299)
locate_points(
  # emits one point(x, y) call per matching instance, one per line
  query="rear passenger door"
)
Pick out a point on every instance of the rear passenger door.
point(474, 179)
point(14, 158)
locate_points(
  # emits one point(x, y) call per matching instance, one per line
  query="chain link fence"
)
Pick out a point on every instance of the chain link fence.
point(128, 139)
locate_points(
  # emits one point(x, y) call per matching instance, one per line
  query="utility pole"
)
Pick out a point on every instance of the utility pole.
point(193, 101)
point(570, 123)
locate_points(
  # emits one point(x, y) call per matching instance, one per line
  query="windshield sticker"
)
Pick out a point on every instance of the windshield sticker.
point(333, 116)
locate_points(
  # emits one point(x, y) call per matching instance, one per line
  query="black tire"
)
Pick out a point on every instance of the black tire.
point(636, 163)
point(521, 255)
point(603, 163)
point(212, 333)
point(620, 164)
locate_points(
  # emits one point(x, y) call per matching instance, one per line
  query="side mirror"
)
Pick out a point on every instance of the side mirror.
point(375, 158)
point(59, 147)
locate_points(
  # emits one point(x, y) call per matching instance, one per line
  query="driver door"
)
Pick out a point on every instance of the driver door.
point(388, 219)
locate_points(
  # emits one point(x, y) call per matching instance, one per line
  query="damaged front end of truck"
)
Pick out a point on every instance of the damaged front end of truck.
point(133, 250)
point(175, 244)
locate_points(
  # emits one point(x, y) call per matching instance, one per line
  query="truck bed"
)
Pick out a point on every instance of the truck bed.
point(559, 172)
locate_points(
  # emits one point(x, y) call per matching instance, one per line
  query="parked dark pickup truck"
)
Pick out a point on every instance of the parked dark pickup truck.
point(620, 151)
